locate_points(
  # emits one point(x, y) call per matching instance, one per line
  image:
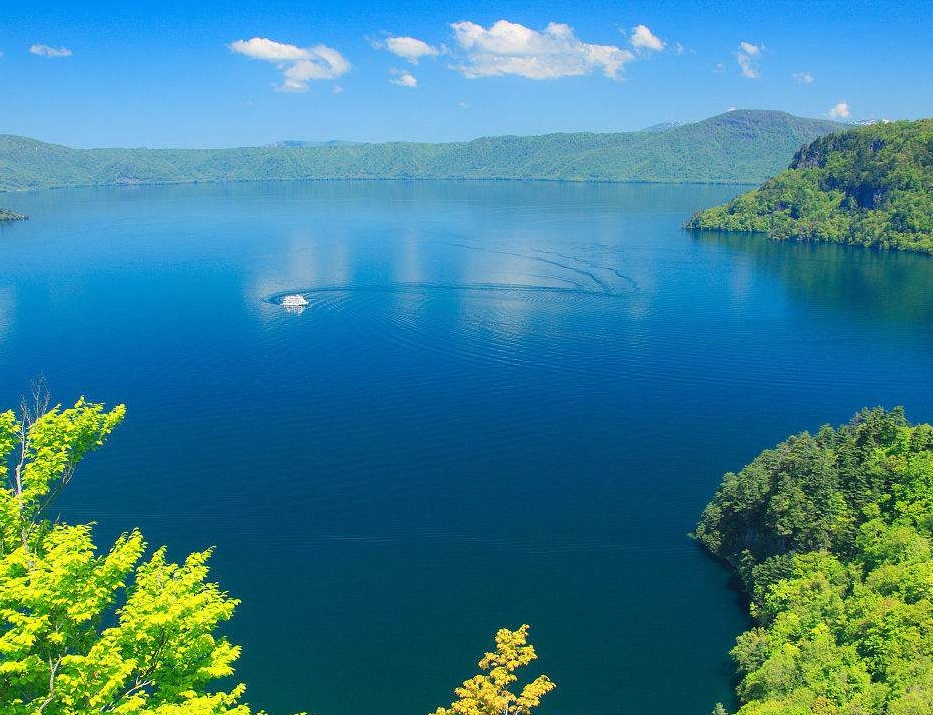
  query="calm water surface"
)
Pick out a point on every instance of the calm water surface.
point(506, 403)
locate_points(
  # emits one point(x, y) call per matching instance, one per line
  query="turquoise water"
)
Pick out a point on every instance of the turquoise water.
point(505, 403)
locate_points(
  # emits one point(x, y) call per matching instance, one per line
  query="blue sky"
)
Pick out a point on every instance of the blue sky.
point(209, 73)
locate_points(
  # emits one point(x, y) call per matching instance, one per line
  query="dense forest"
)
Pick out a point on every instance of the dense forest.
point(831, 535)
point(736, 147)
point(869, 186)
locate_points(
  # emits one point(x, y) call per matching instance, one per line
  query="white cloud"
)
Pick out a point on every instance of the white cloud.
point(803, 78)
point(299, 65)
point(720, 68)
point(261, 48)
point(679, 48)
point(403, 78)
point(644, 39)
point(337, 89)
point(409, 48)
point(840, 111)
point(747, 57)
point(507, 48)
point(46, 51)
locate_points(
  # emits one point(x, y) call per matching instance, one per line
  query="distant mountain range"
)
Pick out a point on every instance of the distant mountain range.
point(745, 146)
point(870, 186)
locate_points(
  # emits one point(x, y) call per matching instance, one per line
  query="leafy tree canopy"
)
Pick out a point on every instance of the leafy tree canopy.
point(118, 632)
point(832, 535)
point(83, 631)
point(488, 693)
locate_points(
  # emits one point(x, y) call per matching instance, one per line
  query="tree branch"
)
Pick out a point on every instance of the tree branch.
point(53, 669)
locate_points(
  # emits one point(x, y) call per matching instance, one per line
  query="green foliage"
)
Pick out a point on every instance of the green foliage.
point(870, 186)
point(737, 147)
point(84, 632)
point(488, 693)
point(832, 535)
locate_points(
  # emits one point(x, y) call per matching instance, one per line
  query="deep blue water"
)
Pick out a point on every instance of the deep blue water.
point(506, 403)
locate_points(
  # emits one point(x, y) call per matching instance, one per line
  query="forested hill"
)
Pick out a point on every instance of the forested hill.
point(832, 536)
point(736, 147)
point(871, 186)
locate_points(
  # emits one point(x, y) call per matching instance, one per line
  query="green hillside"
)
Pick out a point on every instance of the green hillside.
point(832, 536)
point(869, 186)
point(737, 147)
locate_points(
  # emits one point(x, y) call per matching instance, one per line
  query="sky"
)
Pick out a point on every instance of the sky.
point(202, 73)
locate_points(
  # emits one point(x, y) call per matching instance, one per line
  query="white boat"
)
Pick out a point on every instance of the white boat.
point(295, 301)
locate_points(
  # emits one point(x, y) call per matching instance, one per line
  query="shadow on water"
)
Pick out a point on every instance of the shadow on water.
point(869, 285)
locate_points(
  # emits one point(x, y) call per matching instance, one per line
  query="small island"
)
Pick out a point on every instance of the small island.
point(868, 186)
point(7, 215)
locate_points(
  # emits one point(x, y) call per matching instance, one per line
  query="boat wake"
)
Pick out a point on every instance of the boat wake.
point(307, 293)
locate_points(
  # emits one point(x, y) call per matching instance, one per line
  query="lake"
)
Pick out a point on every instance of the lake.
point(505, 403)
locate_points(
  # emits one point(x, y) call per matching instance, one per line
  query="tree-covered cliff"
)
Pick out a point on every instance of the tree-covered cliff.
point(869, 186)
point(832, 536)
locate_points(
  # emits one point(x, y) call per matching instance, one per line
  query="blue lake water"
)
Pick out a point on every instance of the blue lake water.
point(506, 403)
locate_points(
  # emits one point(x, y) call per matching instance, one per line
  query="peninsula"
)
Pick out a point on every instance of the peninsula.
point(868, 186)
